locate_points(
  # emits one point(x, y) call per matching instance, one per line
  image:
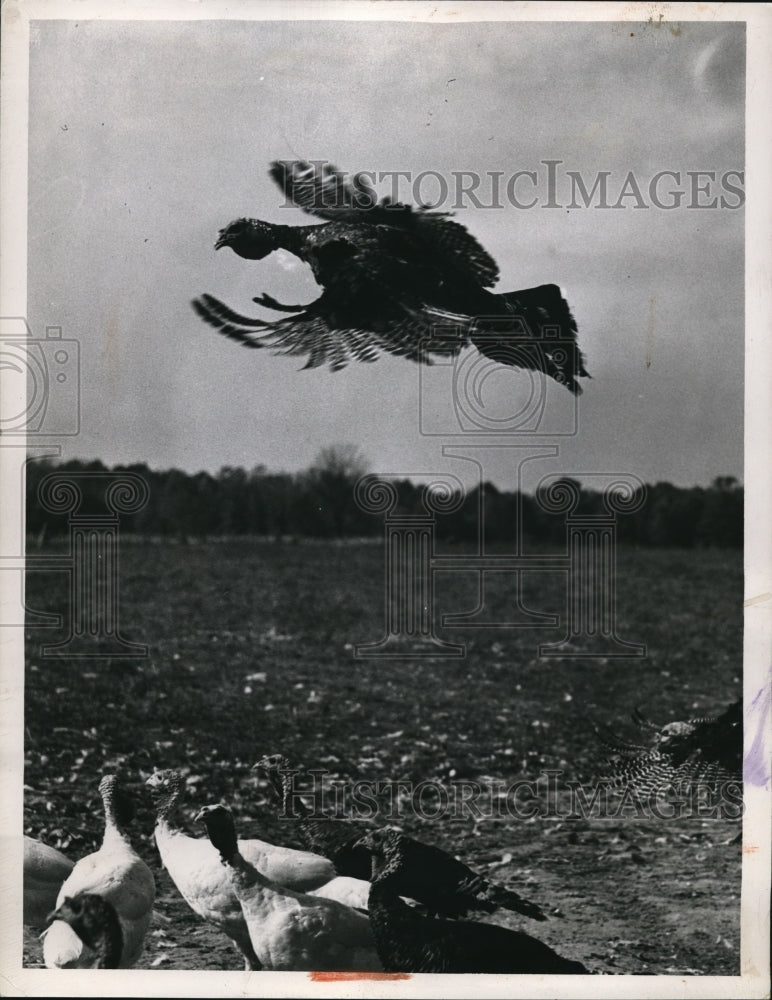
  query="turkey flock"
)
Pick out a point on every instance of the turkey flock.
point(349, 897)
point(283, 908)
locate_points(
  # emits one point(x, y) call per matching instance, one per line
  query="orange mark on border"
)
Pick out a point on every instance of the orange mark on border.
point(340, 977)
point(750, 848)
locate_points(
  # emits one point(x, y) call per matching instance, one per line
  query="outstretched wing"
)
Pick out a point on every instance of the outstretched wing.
point(456, 244)
point(318, 188)
point(640, 768)
point(307, 333)
point(312, 333)
point(321, 189)
point(700, 751)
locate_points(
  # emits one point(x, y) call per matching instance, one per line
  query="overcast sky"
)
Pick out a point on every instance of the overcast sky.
point(147, 138)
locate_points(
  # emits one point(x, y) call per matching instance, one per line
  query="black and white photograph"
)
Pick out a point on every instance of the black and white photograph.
point(385, 552)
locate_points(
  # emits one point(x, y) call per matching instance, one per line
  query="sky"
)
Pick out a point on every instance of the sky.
point(146, 138)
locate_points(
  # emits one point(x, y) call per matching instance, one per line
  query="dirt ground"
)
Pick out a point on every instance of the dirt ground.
point(250, 652)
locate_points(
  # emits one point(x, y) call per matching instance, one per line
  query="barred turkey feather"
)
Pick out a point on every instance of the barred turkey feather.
point(705, 751)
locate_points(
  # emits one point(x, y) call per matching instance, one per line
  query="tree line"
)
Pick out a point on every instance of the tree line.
point(320, 502)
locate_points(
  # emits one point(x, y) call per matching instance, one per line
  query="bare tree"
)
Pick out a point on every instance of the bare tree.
point(344, 461)
point(332, 478)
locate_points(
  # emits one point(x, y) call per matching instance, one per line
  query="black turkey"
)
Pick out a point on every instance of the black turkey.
point(407, 281)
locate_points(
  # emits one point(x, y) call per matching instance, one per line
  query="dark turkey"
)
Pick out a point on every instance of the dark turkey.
point(397, 279)
point(409, 942)
point(427, 874)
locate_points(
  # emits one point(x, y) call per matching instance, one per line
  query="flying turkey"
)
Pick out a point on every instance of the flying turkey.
point(404, 280)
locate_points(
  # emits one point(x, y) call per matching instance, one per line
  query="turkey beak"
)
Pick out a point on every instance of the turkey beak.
point(222, 241)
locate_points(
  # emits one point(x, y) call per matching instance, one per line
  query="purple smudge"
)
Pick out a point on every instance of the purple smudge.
point(756, 764)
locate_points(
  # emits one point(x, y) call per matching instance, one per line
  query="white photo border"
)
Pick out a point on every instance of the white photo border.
point(754, 980)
